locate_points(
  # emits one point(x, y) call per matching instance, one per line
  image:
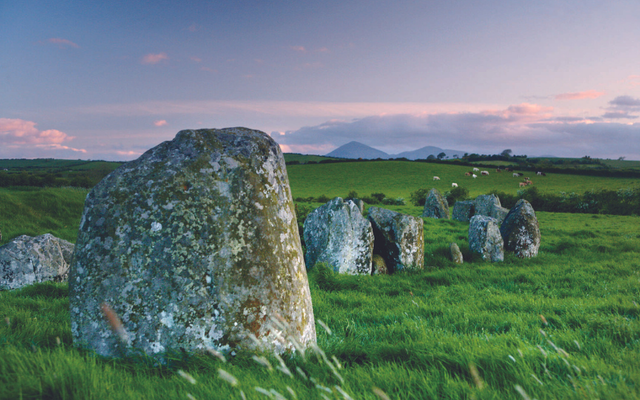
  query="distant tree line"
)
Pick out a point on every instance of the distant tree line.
point(43, 179)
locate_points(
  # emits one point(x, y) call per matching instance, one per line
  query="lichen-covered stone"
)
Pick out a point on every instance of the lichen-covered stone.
point(463, 210)
point(485, 238)
point(436, 205)
point(399, 239)
point(193, 245)
point(360, 204)
point(485, 205)
point(26, 260)
point(456, 254)
point(337, 234)
point(499, 213)
point(520, 230)
point(378, 266)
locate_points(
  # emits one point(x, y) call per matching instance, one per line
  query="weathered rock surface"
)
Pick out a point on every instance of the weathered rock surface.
point(485, 238)
point(499, 213)
point(456, 254)
point(520, 230)
point(436, 205)
point(463, 210)
point(379, 267)
point(360, 204)
point(337, 234)
point(26, 260)
point(193, 245)
point(399, 239)
point(486, 204)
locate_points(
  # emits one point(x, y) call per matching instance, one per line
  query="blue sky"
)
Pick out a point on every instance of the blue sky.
point(109, 80)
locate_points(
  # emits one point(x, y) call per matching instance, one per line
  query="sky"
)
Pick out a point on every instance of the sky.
point(110, 80)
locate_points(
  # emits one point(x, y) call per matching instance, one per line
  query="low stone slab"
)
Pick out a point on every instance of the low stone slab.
point(520, 230)
point(26, 260)
point(436, 206)
point(337, 234)
point(485, 238)
point(399, 239)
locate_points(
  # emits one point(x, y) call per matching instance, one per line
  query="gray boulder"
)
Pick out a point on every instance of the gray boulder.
point(194, 245)
point(499, 213)
point(485, 238)
point(337, 234)
point(520, 230)
point(399, 239)
point(456, 254)
point(436, 205)
point(485, 205)
point(360, 204)
point(26, 260)
point(463, 210)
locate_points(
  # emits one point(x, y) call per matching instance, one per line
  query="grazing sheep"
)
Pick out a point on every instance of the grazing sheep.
point(541, 173)
point(476, 169)
point(435, 178)
point(515, 174)
point(467, 173)
point(485, 172)
point(454, 184)
point(522, 184)
point(474, 176)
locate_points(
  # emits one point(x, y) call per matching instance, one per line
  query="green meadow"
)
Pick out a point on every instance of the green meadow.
point(563, 325)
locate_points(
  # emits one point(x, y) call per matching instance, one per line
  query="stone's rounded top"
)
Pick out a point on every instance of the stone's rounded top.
point(436, 205)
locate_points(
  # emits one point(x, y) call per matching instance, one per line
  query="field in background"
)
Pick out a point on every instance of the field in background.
point(562, 325)
point(400, 178)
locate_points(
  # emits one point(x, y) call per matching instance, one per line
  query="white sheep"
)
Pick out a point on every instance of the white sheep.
point(474, 176)
point(435, 178)
point(453, 184)
point(476, 169)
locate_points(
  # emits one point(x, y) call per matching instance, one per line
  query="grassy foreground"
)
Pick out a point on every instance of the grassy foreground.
point(562, 325)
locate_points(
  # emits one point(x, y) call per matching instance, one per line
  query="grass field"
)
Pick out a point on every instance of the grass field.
point(399, 179)
point(562, 325)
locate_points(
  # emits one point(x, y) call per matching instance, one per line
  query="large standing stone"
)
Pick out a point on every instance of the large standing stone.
point(463, 210)
point(436, 205)
point(520, 230)
point(399, 239)
point(485, 238)
point(337, 234)
point(193, 245)
point(26, 260)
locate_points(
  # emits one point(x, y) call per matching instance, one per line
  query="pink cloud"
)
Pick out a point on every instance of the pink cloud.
point(196, 59)
point(323, 50)
point(161, 122)
point(16, 133)
point(208, 69)
point(154, 58)
point(300, 49)
point(589, 94)
point(62, 43)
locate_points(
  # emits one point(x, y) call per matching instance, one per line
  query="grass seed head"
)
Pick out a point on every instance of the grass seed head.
point(343, 393)
point(544, 320)
point(476, 376)
point(520, 390)
point(114, 322)
point(217, 354)
point(264, 362)
point(324, 326)
point(187, 376)
point(380, 393)
point(190, 396)
point(224, 375)
point(291, 392)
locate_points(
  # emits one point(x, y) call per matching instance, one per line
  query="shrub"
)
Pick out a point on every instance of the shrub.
point(378, 196)
point(322, 199)
point(419, 197)
point(457, 193)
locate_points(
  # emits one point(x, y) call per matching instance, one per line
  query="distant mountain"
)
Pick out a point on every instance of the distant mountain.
point(426, 151)
point(357, 150)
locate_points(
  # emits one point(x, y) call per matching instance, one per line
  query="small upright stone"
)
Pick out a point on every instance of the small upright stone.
point(456, 254)
point(399, 239)
point(360, 204)
point(26, 260)
point(194, 245)
point(436, 206)
point(520, 230)
point(485, 238)
point(463, 210)
point(337, 234)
